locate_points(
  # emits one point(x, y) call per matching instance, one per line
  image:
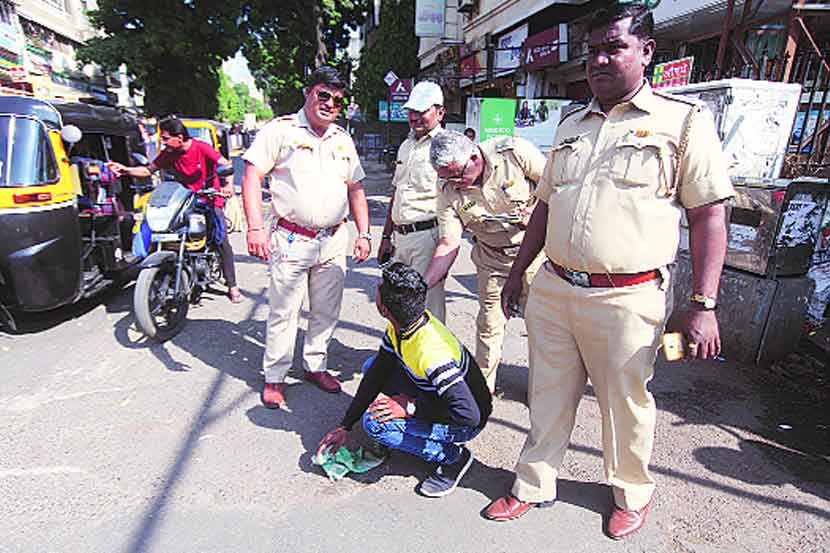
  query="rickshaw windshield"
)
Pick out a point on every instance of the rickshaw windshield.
point(202, 133)
point(26, 155)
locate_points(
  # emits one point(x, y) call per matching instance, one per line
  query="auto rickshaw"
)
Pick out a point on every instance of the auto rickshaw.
point(65, 220)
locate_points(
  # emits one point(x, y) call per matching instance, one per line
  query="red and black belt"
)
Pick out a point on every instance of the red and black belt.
point(305, 231)
point(602, 280)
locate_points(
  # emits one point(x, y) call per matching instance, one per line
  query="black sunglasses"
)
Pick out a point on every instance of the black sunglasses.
point(324, 96)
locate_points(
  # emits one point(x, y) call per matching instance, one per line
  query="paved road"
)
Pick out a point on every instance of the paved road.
point(111, 443)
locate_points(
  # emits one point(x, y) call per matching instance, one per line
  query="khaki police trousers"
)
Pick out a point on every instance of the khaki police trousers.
point(298, 263)
point(415, 249)
point(609, 335)
point(491, 321)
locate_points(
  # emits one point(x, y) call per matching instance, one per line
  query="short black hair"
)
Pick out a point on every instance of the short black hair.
point(404, 293)
point(642, 21)
point(328, 76)
point(174, 126)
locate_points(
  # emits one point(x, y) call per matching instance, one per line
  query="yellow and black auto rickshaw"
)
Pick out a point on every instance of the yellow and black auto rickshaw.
point(65, 221)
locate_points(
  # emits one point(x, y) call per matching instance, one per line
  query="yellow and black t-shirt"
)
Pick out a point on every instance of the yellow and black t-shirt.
point(451, 387)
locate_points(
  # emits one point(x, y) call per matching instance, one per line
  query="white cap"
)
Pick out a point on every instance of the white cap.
point(424, 95)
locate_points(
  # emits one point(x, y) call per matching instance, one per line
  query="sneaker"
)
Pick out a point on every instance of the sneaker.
point(446, 477)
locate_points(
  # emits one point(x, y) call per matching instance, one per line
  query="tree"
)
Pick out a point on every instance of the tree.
point(235, 101)
point(395, 48)
point(231, 107)
point(293, 36)
point(173, 49)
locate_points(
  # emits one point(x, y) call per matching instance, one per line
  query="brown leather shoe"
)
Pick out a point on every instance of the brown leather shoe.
point(624, 523)
point(510, 508)
point(324, 381)
point(273, 395)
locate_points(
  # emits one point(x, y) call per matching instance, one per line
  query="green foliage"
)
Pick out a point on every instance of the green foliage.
point(235, 101)
point(395, 48)
point(292, 37)
point(174, 48)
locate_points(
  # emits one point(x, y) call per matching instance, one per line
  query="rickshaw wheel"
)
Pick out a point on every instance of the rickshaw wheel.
point(158, 316)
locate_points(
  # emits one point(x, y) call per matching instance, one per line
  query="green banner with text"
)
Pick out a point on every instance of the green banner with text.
point(497, 117)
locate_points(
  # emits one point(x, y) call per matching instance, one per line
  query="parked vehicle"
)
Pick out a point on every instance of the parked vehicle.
point(65, 221)
point(185, 258)
point(389, 155)
point(213, 132)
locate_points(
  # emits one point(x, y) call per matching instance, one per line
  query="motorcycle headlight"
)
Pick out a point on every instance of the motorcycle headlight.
point(196, 226)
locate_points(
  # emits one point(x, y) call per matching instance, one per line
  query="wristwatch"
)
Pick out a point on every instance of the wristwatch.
point(410, 408)
point(365, 235)
point(705, 301)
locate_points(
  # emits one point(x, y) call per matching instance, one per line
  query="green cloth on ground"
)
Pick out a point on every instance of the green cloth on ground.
point(344, 461)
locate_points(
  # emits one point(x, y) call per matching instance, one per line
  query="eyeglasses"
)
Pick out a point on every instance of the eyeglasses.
point(324, 96)
point(458, 177)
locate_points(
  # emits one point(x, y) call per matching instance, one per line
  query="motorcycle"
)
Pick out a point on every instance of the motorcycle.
point(389, 156)
point(185, 260)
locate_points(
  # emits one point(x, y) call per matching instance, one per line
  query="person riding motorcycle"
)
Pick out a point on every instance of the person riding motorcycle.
point(192, 160)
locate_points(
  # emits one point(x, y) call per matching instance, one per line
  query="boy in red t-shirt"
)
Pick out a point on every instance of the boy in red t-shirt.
point(192, 161)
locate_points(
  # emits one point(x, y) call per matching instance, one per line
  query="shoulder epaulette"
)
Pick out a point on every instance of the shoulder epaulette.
point(570, 113)
point(677, 98)
point(505, 143)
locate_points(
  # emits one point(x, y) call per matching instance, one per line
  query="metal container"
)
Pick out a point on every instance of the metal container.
point(774, 225)
point(761, 319)
point(754, 120)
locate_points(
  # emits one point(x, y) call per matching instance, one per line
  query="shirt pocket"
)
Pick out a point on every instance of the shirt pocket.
point(299, 158)
point(567, 158)
point(645, 163)
point(341, 164)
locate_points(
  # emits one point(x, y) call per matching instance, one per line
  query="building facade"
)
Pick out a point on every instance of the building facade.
point(39, 40)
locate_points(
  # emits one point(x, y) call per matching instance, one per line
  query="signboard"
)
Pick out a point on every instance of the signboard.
point(536, 121)
point(429, 18)
point(533, 120)
point(400, 89)
point(398, 113)
point(497, 117)
point(546, 48)
point(472, 58)
point(18, 73)
point(672, 73)
point(509, 49)
point(390, 78)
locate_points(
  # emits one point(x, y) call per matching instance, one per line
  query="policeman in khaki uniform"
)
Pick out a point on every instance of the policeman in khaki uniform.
point(621, 172)
point(411, 229)
point(315, 182)
point(487, 189)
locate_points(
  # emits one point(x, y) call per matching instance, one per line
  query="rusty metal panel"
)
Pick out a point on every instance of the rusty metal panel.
point(761, 319)
point(785, 322)
point(744, 303)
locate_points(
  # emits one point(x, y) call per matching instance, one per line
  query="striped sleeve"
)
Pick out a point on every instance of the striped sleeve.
point(459, 403)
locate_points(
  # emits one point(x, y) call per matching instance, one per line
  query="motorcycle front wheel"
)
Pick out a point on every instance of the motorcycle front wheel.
point(159, 315)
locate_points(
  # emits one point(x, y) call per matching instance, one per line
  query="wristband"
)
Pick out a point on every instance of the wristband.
point(365, 235)
point(254, 229)
point(387, 237)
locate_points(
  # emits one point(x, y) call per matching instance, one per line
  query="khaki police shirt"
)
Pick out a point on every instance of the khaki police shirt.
point(415, 181)
point(614, 205)
point(492, 211)
point(308, 172)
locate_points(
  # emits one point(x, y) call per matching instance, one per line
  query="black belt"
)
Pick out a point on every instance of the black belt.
point(415, 227)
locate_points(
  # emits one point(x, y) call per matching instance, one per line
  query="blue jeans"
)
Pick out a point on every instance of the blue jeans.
point(431, 441)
